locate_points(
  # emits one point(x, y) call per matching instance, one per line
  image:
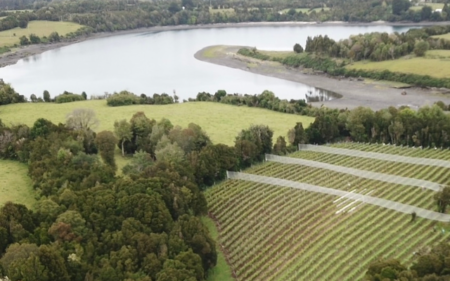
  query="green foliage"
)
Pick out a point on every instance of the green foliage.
point(443, 199)
point(252, 144)
point(54, 37)
point(24, 41)
point(106, 144)
point(34, 39)
point(128, 98)
point(399, 6)
point(8, 95)
point(298, 48)
point(123, 132)
point(420, 48)
point(144, 221)
point(385, 270)
point(266, 99)
point(253, 53)
point(46, 96)
point(68, 97)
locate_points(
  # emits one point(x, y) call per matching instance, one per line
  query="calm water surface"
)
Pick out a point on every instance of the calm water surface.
point(164, 62)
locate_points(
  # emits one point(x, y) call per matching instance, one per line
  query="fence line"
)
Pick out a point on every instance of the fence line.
point(388, 204)
point(355, 172)
point(376, 155)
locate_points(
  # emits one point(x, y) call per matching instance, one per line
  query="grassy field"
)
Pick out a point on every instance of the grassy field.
point(443, 36)
point(40, 28)
point(280, 54)
point(278, 233)
point(433, 6)
point(436, 63)
point(15, 185)
point(221, 122)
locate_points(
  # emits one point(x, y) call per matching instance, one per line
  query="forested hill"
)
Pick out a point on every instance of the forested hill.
point(130, 14)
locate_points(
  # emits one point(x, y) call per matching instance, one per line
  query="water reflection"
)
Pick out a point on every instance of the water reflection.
point(318, 95)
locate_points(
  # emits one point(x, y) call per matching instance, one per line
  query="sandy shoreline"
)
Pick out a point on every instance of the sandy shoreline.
point(354, 93)
point(23, 52)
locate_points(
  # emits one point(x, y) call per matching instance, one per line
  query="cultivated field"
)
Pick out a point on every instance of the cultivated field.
point(272, 232)
point(221, 122)
point(436, 63)
point(40, 28)
point(15, 185)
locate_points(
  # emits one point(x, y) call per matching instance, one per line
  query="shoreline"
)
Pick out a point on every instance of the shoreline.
point(13, 57)
point(354, 93)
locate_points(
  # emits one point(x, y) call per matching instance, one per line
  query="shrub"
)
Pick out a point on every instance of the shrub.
point(68, 97)
point(298, 48)
point(122, 98)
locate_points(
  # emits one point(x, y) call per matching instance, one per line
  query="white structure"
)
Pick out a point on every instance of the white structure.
point(438, 11)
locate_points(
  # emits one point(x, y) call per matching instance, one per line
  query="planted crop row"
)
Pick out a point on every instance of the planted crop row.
point(279, 233)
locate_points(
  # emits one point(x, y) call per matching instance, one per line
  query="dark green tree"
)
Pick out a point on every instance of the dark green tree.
point(298, 48)
point(46, 96)
point(106, 144)
point(442, 199)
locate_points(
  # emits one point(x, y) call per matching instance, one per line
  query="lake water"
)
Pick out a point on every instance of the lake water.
point(164, 62)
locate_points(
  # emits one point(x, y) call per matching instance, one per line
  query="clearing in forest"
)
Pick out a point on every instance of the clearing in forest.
point(15, 185)
point(271, 232)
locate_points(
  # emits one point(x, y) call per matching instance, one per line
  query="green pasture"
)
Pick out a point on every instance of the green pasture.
point(221, 122)
point(40, 28)
point(436, 63)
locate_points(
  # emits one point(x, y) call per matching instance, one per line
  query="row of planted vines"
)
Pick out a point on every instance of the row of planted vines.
point(279, 233)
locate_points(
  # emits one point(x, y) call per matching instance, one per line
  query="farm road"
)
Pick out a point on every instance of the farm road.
point(377, 156)
point(392, 205)
point(355, 172)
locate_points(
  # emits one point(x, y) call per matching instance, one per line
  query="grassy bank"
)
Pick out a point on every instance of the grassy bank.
point(221, 122)
point(221, 272)
point(40, 28)
point(15, 185)
point(436, 64)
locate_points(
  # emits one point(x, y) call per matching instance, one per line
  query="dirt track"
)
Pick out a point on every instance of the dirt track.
point(354, 93)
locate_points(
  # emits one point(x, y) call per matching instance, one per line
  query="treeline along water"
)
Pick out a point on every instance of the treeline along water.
point(164, 63)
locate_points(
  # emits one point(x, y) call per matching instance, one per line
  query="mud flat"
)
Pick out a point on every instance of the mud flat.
point(354, 93)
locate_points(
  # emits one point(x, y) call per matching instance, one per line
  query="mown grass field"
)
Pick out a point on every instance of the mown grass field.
point(40, 28)
point(279, 233)
point(436, 63)
point(221, 122)
point(15, 185)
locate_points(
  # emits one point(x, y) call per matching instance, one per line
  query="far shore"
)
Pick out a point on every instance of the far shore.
point(23, 52)
point(354, 93)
